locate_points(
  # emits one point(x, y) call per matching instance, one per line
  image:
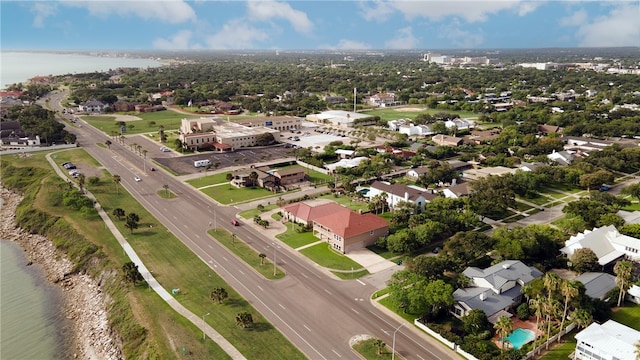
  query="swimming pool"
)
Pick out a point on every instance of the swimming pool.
point(519, 337)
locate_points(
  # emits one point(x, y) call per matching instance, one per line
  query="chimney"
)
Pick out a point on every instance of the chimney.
point(483, 296)
point(406, 196)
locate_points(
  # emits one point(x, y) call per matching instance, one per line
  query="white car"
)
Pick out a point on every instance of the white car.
point(137, 179)
point(165, 149)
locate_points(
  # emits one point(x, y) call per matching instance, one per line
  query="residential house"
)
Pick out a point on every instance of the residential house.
point(483, 136)
point(269, 178)
point(344, 229)
point(606, 242)
point(549, 129)
point(597, 284)
point(124, 106)
point(526, 166)
point(445, 140)
point(12, 135)
point(399, 192)
point(608, 341)
point(350, 231)
point(414, 174)
point(345, 163)
point(630, 217)
point(457, 189)
point(410, 129)
point(394, 125)
point(92, 106)
point(474, 174)
point(495, 289)
point(397, 153)
point(460, 124)
point(562, 157)
point(633, 294)
point(345, 154)
point(334, 100)
point(9, 99)
point(383, 100)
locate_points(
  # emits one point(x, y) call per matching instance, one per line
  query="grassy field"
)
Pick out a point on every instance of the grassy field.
point(325, 257)
point(229, 194)
point(398, 113)
point(369, 351)
point(249, 214)
point(213, 179)
point(246, 254)
point(628, 315)
point(169, 119)
point(347, 201)
point(295, 239)
point(174, 266)
point(563, 350)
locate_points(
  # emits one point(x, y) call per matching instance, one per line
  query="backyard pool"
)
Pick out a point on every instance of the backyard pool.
point(519, 337)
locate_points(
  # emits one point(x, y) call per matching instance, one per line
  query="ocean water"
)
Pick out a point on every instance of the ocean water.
point(18, 67)
point(32, 321)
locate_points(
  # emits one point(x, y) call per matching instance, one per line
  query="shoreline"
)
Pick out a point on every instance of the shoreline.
point(83, 298)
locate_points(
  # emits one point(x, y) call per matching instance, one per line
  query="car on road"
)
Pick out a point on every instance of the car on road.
point(137, 179)
point(235, 222)
point(436, 250)
point(165, 149)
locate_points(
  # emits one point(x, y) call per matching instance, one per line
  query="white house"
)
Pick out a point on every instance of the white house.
point(92, 106)
point(383, 99)
point(345, 163)
point(411, 129)
point(606, 242)
point(609, 341)
point(395, 124)
point(494, 289)
point(561, 157)
point(460, 124)
point(398, 192)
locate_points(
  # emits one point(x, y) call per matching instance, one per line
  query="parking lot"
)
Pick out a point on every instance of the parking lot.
point(183, 165)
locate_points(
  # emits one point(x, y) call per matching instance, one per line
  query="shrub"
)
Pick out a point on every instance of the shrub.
point(523, 311)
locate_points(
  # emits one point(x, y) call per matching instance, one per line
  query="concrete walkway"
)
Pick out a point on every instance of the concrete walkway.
point(153, 283)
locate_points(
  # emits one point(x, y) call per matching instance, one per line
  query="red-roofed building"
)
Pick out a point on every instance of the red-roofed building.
point(344, 229)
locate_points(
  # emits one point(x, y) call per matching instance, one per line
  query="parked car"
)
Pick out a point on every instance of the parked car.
point(235, 222)
point(165, 149)
point(137, 179)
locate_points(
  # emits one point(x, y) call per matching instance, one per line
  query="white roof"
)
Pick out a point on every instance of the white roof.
point(345, 152)
point(611, 338)
point(346, 163)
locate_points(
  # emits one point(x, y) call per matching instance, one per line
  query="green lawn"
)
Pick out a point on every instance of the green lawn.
point(296, 239)
point(522, 206)
point(554, 194)
point(628, 315)
point(347, 201)
point(325, 257)
point(394, 114)
point(369, 351)
point(563, 350)
point(168, 119)
point(567, 188)
point(249, 214)
point(246, 253)
point(229, 194)
point(514, 218)
point(633, 207)
point(213, 179)
point(539, 200)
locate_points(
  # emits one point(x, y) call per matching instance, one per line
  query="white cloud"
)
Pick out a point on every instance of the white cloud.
point(471, 11)
point(236, 34)
point(617, 28)
point(460, 38)
point(346, 44)
point(170, 11)
point(270, 10)
point(404, 39)
point(42, 11)
point(179, 41)
point(576, 19)
point(376, 10)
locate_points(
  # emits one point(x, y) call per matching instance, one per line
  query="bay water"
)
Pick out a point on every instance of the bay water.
point(33, 325)
point(18, 67)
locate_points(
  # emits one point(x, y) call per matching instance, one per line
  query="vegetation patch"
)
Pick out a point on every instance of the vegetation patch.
point(322, 255)
point(251, 213)
point(213, 179)
point(229, 194)
point(373, 349)
point(296, 239)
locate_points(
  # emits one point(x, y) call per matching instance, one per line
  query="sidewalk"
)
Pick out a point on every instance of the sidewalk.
point(153, 283)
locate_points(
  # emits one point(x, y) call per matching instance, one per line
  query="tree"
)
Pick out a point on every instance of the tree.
point(262, 256)
point(569, 290)
point(116, 180)
point(585, 260)
point(244, 320)
point(582, 317)
point(108, 143)
point(633, 190)
point(253, 179)
point(380, 345)
point(166, 189)
point(131, 273)
point(504, 327)
point(438, 295)
point(551, 282)
point(596, 179)
point(119, 213)
point(132, 222)
point(229, 176)
point(537, 305)
point(623, 270)
point(81, 180)
point(219, 295)
point(475, 322)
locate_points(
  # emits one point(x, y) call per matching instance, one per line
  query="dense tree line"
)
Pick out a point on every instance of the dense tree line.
point(35, 120)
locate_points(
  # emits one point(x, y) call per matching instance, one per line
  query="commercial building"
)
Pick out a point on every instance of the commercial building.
point(220, 135)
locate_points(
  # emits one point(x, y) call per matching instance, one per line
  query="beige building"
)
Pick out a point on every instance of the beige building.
point(221, 135)
point(280, 123)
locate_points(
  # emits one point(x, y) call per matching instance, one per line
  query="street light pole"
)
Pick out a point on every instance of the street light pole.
point(203, 325)
point(393, 346)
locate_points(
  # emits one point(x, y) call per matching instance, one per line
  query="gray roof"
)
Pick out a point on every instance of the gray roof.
point(400, 190)
point(508, 270)
point(597, 284)
point(492, 302)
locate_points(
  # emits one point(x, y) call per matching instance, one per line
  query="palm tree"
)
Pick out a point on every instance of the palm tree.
point(116, 180)
point(623, 270)
point(253, 177)
point(569, 290)
point(379, 344)
point(551, 282)
point(119, 213)
point(536, 305)
point(166, 189)
point(504, 327)
point(262, 256)
point(244, 320)
point(581, 317)
point(108, 143)
point(637, 350)
point(219, 294)
point(81, 180)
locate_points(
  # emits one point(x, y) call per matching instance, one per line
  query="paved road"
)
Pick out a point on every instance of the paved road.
point(317, 313)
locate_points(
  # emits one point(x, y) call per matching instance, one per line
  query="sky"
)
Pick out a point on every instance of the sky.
point(316, 24)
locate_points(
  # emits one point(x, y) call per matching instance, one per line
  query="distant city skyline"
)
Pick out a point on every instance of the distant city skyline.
point(317, 25)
